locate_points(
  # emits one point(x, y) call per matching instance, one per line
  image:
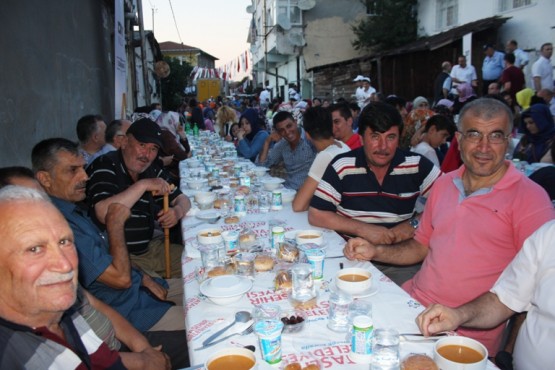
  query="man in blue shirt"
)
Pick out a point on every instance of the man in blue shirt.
point(104, 266)
point(492, 67)
point(291, 147)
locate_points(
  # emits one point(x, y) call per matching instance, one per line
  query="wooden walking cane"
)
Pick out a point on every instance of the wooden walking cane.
point(167, 238)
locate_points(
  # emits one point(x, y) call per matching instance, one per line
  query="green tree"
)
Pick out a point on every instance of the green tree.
point(173, 85)
point(390, 23)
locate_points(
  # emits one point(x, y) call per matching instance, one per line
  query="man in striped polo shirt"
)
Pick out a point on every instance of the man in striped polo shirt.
point(373, 191)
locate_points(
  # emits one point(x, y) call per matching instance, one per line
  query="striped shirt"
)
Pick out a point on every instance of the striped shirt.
point(22, 347)
point(350, 189)
point(108, 176)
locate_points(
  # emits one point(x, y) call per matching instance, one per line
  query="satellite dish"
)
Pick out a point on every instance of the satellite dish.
point(284, 22)
point(296, 38)
point(250, 9)
point(162, 69)
point(306, 4)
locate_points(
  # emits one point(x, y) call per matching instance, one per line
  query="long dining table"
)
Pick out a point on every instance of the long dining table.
point(392, 307)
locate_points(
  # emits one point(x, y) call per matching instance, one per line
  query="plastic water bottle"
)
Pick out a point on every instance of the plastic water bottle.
point(195, 130)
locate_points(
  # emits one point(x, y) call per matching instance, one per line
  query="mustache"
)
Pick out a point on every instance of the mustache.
point(381, 152)
point(81, 185)
point(55, 278)
point(143, 159)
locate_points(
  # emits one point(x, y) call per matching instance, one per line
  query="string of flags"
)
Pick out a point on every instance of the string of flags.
point(225, 72)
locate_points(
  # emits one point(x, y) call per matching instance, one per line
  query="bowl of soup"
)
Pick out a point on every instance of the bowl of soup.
point(231, 358)
point(454, 353)
point(353, 280)
point(309, 236)
point(209, 236)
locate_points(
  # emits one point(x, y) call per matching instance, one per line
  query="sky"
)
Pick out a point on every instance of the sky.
point(218, 27)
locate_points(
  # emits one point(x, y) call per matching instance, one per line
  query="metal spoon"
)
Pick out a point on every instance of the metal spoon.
point(241, 316)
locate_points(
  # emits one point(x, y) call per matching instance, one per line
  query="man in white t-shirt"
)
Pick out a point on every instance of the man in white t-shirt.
point(542, 70)
point(463, 72)
point(438, 129)
point(318, 126)
point(364, 93)
point(525, 285)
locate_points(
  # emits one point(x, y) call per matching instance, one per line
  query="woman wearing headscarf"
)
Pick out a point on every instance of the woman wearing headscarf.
point(174, 141)
point(416, 120)
point(466, 95)
point(539, 134)
point(251, 135)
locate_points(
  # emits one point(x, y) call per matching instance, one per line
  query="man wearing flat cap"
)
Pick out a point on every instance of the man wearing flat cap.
point(132, 176)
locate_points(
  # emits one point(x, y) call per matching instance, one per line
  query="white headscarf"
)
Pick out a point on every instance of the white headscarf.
point(169, 121)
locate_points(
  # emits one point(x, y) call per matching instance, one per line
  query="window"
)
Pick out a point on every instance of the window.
point(447, 13)
point(290, 9)
point(373, 7)
point(505, 5)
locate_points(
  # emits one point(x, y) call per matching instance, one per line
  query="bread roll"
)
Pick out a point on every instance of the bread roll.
point(217, 271)
point(418, 362)
point(263, 263)
point(231, 220)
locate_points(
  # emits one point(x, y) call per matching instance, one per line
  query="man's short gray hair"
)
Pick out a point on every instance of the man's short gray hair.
point(21, 193)
point(486, 108)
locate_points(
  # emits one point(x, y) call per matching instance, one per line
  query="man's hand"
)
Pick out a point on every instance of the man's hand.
point(117, 214)
point(154, 359)
point(156, 289)
point(401, 232)
point(359, 249)
point(274, 136)
point(169, 219)
point(378, 234)
point(437, 318)
point(157, 186)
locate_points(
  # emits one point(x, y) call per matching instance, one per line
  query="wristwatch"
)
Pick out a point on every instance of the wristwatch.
point(414, 222)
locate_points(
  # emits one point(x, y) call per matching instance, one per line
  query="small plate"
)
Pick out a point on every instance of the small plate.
point(225, 286)
point(364, 294)
point(207, 215)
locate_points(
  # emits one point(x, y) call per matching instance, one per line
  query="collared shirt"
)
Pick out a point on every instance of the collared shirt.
point(492, 66)
point(133, 303)
point(471, 239)
point(543, 69)
point(466, 74)
point(88, 157)
point(521, 58)
point(27, 348)
point(350, 189)
point(108, 176)
point(297, 161)
point(355, 141)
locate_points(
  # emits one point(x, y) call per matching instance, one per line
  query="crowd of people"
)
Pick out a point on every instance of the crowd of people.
point(424, 189)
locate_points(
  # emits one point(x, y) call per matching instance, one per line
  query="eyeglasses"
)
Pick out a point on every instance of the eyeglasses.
point(495, 137)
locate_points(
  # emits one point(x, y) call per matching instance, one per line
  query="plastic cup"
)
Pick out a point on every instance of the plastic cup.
point(269, 338)
point(315, 258)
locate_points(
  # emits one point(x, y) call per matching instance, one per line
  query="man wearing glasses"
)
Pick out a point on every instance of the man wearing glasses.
point(115, 134)
point(475, 220)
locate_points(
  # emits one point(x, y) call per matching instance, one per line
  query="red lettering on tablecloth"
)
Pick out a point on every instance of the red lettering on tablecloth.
point(328, 356)
point(197, 329)
point(189, 277)
point(190, 303)
point(266, 296)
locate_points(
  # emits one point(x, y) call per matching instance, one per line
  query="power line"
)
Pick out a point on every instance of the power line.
point(175, 22)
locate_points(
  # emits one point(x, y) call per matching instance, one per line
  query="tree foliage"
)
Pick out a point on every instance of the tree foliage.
point(392, 23)
point(174, 84)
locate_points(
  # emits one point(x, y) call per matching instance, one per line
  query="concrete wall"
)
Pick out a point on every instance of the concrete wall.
point(56, 67)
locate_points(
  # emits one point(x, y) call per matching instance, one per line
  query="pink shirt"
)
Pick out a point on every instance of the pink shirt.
point(472, 240)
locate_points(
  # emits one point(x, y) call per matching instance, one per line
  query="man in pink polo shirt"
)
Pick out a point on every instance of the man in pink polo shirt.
point(475, 220)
